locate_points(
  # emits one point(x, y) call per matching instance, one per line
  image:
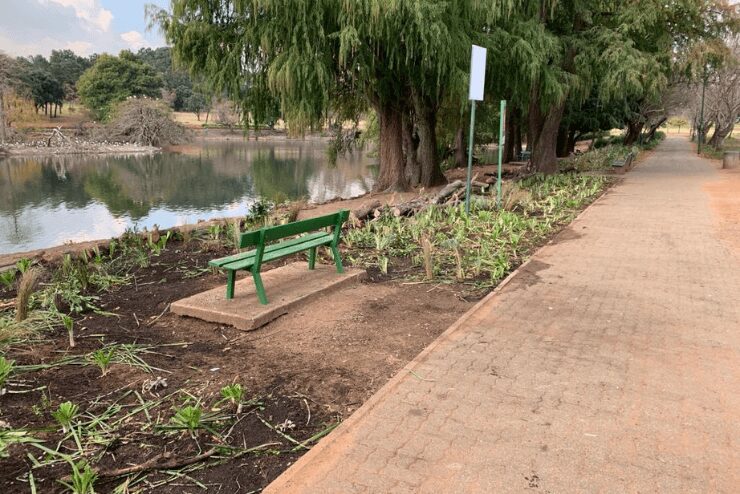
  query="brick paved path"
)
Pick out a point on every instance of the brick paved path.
point(610, 363)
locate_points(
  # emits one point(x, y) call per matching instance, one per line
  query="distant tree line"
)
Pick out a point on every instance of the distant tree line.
point(99, 81)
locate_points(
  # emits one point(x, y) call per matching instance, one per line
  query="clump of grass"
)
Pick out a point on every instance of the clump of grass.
point(26, 288)
point(65, 414)
point(7, 278)
point(103, 357)
point(23, 265)
point(6, 369)
point(214, 231)
point(235, 232)
point(234, 393)
point(83, 479)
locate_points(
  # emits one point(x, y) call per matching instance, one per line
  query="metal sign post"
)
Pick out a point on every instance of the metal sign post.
point(477, 81)
point(501, 144)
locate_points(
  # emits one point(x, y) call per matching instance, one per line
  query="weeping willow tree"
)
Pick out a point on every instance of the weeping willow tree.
point(572, 55)
point(400, 57)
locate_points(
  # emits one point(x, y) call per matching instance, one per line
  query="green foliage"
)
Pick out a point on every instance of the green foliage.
point(600, 158)
point(67, 67)
point(9, 437)
point(23, 265)
point(38, 83)
point(113, 79)
point(65, 414)
point(188, 418)
point(6, 369)
point(83, 479)
point(234, 393)
point(481, 248)
point(103, 357)
point(7, 278)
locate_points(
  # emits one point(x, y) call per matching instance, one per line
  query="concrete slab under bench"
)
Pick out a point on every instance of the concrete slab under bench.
point(286, 287)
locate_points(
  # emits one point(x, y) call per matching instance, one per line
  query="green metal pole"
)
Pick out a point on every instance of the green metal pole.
point(470, 157)
point(501, 144)
point(701, 114)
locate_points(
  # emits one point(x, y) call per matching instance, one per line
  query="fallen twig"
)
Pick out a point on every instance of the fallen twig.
point(159, 462)
point(160, 315)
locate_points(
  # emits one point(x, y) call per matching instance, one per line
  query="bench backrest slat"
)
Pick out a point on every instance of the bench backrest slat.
point(298, 227)
point(264, 235)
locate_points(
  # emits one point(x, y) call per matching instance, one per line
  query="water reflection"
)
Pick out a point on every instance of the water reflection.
point(52, 200)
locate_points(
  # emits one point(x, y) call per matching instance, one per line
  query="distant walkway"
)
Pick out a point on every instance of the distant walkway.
point(610, 363)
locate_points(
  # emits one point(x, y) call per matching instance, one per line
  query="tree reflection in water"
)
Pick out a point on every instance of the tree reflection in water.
point(52, 200)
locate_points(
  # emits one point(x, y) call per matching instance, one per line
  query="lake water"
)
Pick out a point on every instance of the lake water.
point(49, 201)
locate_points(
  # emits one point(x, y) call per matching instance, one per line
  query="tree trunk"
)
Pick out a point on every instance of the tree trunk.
point(654, 128)
point(461, 157)
point(634, 129)
point(426, 125)
point(413, 169)
point(543, 134)
point(720, 134)
point(391, 176)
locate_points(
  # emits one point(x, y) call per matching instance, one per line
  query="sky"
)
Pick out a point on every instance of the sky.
point(31, 27)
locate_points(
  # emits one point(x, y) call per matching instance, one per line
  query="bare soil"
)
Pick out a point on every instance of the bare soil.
point(313, 367)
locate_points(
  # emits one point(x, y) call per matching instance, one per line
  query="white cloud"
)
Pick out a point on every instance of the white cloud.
point(30, 27)
point(79, 47)
point(135, 40)
point(90, 11)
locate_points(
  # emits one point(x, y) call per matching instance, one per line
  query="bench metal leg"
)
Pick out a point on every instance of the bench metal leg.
point(260, 287)
point(337, 258)
point(231, 280)
point(312, 258)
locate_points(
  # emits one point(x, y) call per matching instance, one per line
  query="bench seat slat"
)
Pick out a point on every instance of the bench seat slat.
point(270, 248)
point(279, 250)
point(277, 254)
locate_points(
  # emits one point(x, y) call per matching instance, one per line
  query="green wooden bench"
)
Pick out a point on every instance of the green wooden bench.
point(275, 242)
point(625, 162)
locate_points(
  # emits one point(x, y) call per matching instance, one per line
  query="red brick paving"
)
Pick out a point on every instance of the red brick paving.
point(609, 363)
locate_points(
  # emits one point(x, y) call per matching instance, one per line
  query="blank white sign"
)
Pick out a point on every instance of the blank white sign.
point(477, 73)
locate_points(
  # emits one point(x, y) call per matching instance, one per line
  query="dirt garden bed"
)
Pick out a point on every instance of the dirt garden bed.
point(169, 404)
point(303, 373)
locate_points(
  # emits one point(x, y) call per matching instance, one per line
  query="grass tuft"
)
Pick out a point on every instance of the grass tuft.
point(26, 288)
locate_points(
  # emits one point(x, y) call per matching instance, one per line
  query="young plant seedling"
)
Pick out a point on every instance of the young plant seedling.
point(7, 278)
point(103, 358)
point(65, 414)
point(69, 325)
point(6, 369)
point(383, 264)
point(83, 479)
point(188, 418)
point(23, 265)
point(234, 393)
